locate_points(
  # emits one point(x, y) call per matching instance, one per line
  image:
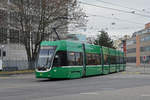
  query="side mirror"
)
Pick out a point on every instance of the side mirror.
point(56, 56)
point(56, 61)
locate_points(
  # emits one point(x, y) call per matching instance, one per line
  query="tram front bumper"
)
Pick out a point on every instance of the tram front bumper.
point(42, 75)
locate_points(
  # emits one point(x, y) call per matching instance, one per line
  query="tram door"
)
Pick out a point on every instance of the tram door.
point(84, 60)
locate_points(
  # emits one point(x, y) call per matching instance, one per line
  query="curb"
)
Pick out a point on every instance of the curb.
point(131, 72)
point(135, 73)
point(17, 72)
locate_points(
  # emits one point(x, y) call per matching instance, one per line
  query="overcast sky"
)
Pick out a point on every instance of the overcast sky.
point(116, 23)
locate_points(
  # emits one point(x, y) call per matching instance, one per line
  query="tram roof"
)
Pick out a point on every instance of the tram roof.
point(77, 47)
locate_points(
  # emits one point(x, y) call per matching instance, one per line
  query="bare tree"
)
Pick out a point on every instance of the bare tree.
point(35, 19)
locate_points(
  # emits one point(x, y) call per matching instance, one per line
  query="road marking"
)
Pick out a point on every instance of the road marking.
point(124, 72)
point(4, 77)
point(131, 73)
point(145, 95)
point(108, 88)
point(89, 93)
point(137, 72)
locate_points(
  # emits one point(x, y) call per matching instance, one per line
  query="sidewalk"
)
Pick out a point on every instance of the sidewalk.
point(134, 65)
point(140, 69)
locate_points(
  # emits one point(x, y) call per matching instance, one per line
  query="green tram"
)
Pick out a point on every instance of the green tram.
point(68, 59)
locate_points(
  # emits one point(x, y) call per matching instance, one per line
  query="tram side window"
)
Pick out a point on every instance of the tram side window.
point(89, 59)
point(106, 61)
point(113, 59)
point(98, 59)
point(75, 58)
point(60, 59)
point(121, 60)
point(93, 59)
point(124, 60)
point(79, 58)
point(118, 60)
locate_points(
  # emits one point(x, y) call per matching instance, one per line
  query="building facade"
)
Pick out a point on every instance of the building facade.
point(12, 52)
point(119, 44)
point(138, 47)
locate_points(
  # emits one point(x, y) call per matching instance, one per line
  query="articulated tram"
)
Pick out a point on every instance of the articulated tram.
point(68, 59)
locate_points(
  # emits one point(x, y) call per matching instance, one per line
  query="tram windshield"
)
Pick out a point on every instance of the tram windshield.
point(45, 56)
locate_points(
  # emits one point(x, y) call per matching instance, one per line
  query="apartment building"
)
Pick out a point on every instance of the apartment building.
point(138, 46)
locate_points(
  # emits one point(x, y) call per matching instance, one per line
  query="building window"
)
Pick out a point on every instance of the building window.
point(133, 50)
point(3, 35)
point(4, 53)
point(146, 48)
point(144, 39)
point(14, 36)
point(131, 59)
point(130, 42)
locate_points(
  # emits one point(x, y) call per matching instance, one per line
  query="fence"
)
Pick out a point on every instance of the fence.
point(15, 65)
point(15, 57)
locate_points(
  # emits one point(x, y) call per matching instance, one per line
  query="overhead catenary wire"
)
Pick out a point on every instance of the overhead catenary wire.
point(114, 4)
point(114, 9)
point(124, 20)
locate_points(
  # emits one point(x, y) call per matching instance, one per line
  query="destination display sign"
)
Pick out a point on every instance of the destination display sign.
point(48, 47)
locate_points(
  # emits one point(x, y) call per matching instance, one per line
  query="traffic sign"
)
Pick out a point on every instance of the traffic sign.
point(144, 58)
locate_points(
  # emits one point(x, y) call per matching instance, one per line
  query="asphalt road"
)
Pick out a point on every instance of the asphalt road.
point(118, 86)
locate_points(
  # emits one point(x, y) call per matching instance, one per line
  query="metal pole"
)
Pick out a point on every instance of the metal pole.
point(1, 52)
point(2, 55)
point(56, 33)
point(144, 66)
